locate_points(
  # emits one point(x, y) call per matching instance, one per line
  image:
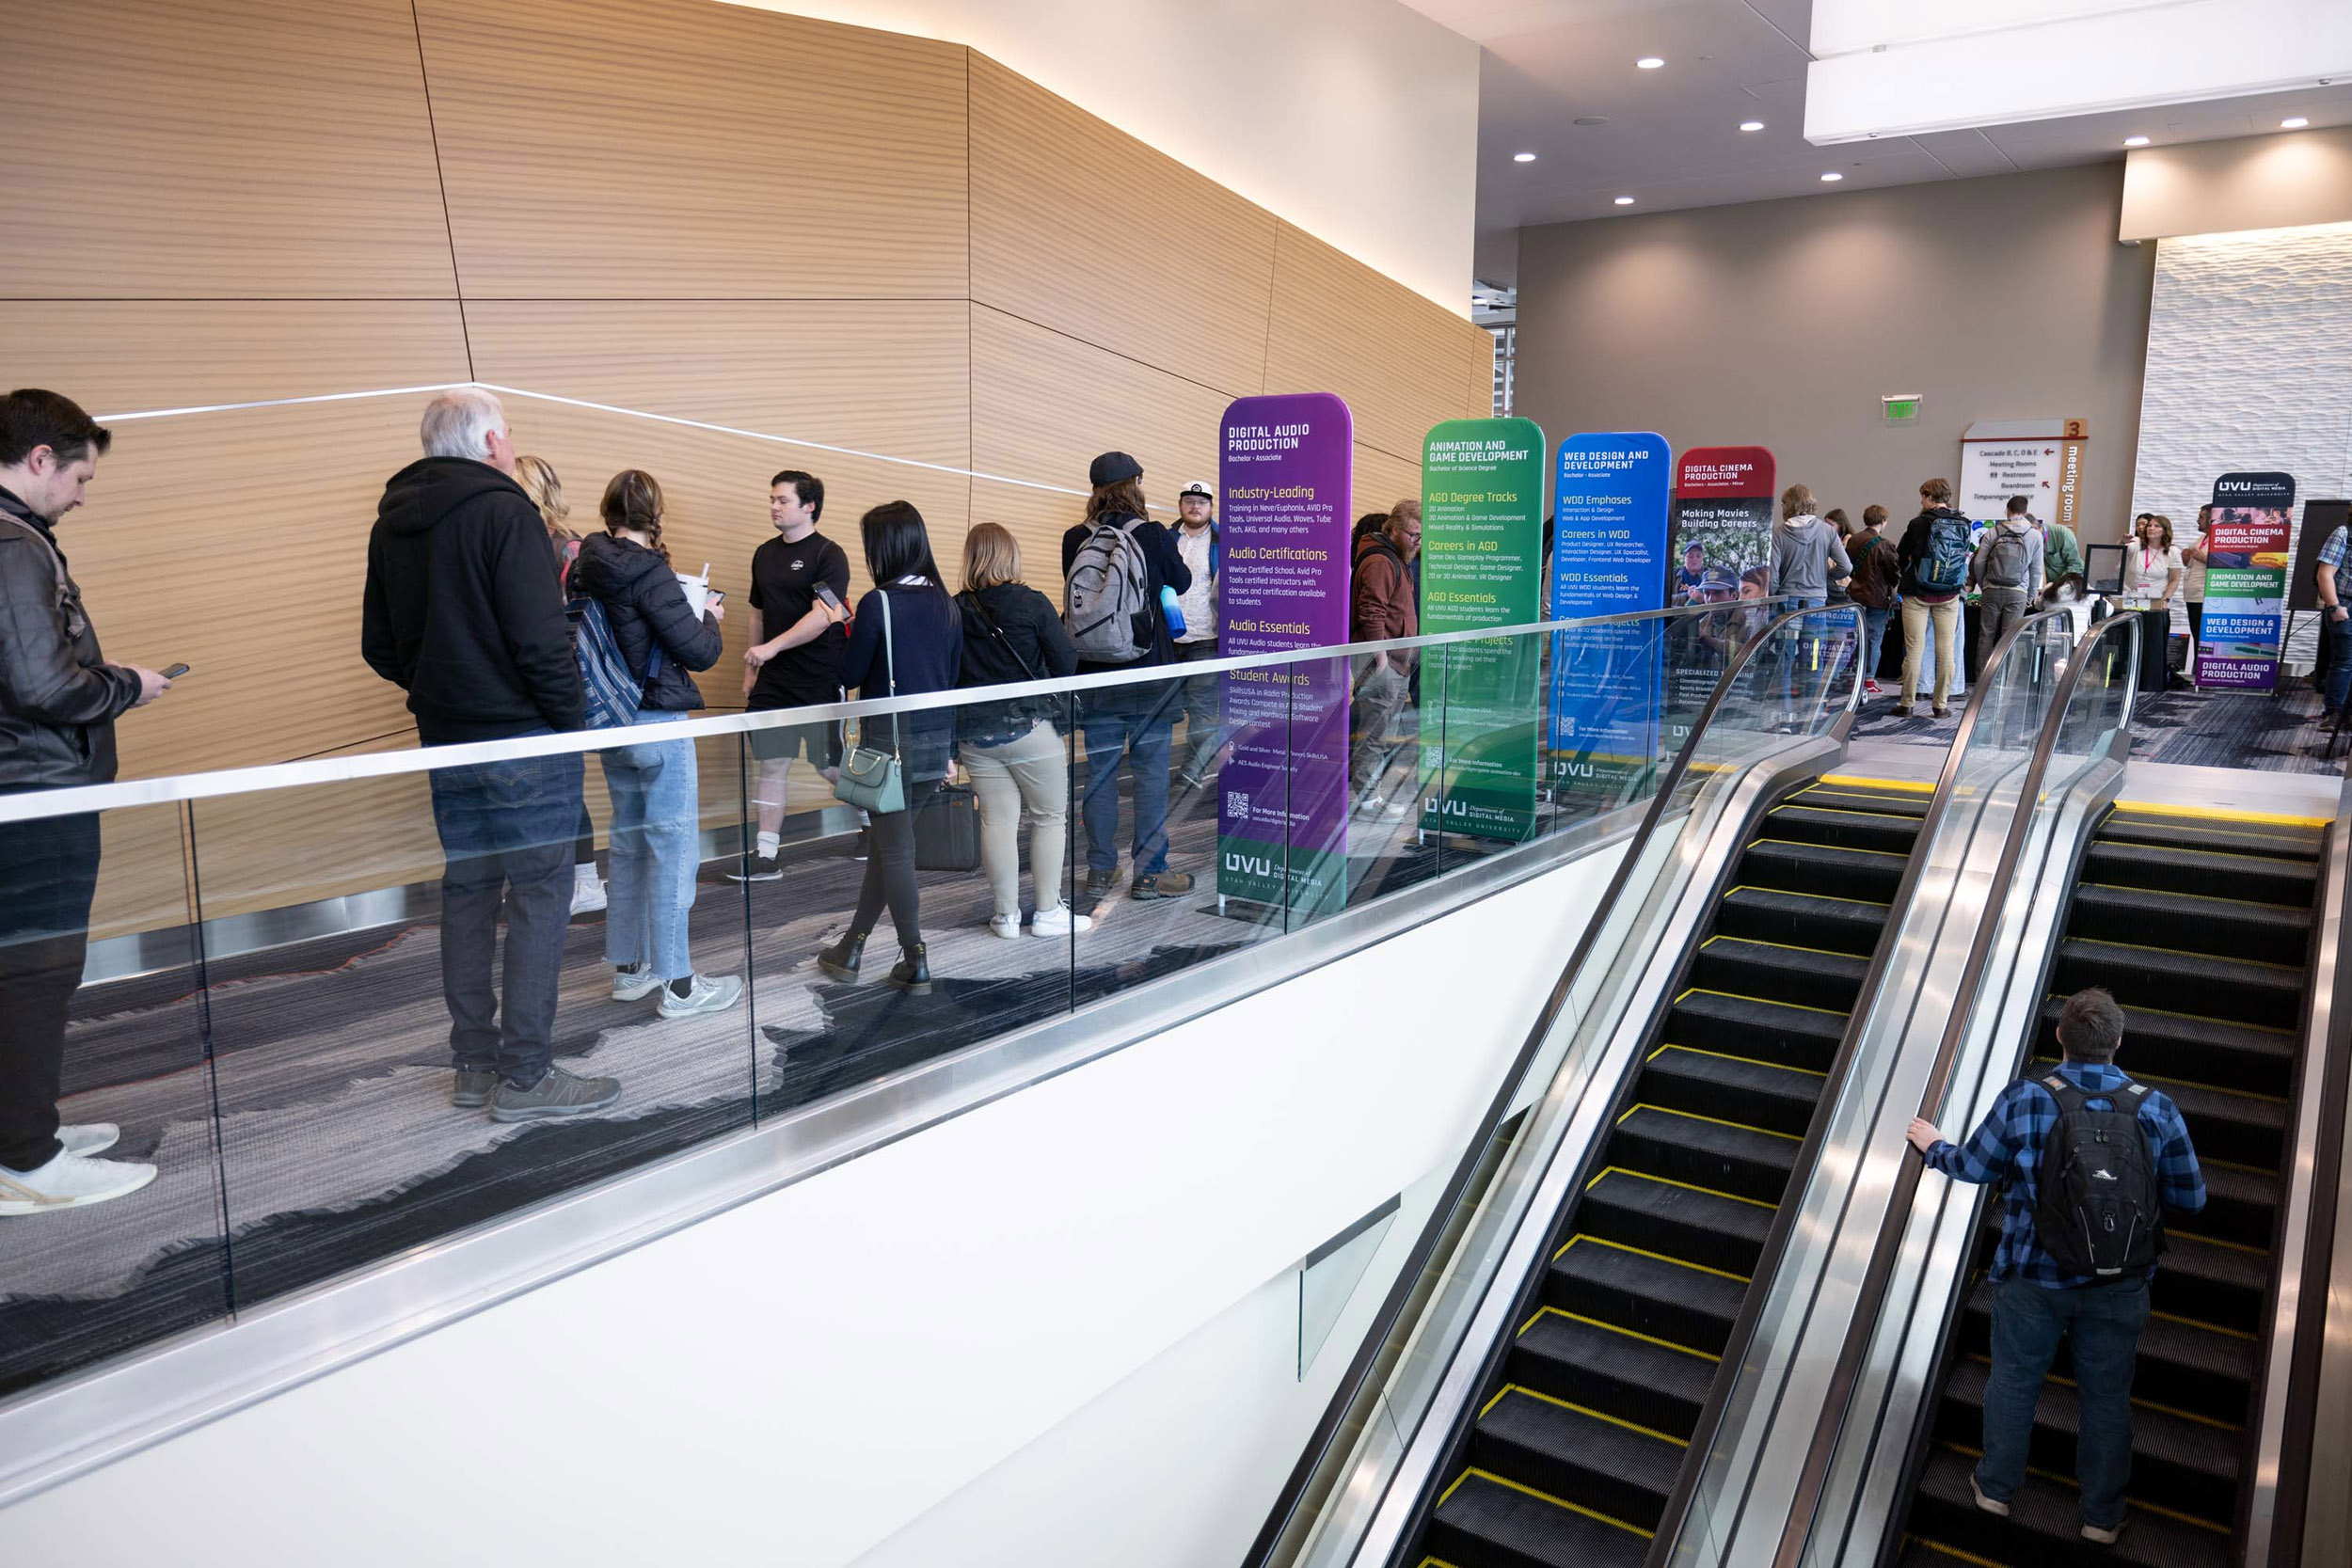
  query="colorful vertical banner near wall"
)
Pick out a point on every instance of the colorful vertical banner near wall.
point(2245, 581)
point(1722, 543)
point(1285, 467)
point(1482, 541)
point(1609, 558)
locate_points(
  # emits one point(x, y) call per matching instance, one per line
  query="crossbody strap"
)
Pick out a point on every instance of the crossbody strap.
point(998, 632)
point(69, 604)
point(890, 669)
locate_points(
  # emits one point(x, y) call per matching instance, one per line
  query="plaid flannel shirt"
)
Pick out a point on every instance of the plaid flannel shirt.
point(2332, 553)
point(2008, 1146)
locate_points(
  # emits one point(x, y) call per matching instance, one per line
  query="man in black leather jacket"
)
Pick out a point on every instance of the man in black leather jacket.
point(58, 703)
point(462, 611)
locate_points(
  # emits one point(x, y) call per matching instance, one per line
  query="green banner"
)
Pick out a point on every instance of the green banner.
point(1482, 540)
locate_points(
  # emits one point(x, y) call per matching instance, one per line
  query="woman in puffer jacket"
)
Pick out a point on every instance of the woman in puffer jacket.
point(655, 844)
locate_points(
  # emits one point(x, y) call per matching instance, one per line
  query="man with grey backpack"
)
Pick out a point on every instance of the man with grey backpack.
point(2089, 1159)
point(2007, 570)
point(1115, 565)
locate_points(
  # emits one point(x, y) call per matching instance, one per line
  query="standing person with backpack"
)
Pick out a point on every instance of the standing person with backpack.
point(1382, 606)
point(2007, 569)
point(1873, 586)
point(656, 787)
point(1114, 566)
point(1933, 562)
point(2091, 1160)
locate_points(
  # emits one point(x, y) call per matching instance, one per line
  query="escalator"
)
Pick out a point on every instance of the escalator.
point(1573, 1445)
point(2202, 928)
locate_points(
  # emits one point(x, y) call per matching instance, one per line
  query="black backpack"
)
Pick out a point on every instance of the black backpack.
point(2097, 1210)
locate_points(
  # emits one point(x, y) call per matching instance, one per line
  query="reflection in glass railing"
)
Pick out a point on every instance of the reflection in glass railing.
point(345, 1010)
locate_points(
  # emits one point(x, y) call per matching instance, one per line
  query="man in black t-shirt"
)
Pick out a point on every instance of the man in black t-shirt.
point(795, 657)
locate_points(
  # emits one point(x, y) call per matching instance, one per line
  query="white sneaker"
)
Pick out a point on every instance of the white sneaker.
point(1058, 922)
point(630, 983)
point(1006, 925)
point(90, 1138)
point(587, 895)
point(69, 1182)
point(710, 993)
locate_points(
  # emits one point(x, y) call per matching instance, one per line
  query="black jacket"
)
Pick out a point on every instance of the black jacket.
point(59, 697)
point(923, 652)
point(1035, 645)
point(1162, 562)
point(462, 608)
point(644, 601)
point(1915, 548)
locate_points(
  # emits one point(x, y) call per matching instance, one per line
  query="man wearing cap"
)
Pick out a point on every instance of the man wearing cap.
point(1196, 540)
point(1135, 723)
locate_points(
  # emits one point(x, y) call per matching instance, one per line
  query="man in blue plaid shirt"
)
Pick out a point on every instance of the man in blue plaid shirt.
point(2040, 1303)
point(2334, 578)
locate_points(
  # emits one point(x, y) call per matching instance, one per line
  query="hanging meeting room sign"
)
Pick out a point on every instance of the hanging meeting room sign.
point(1285, 468)
point(1481, 502)
point(2245, 581)
point(1609, 556)
point(2039, 459)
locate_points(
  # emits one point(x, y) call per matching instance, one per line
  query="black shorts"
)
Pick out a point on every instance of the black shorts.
point(820, 741)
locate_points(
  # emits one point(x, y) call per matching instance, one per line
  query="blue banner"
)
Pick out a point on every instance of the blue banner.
point(1609, 543)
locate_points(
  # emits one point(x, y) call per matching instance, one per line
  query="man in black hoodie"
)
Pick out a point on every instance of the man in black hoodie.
point(463, 613)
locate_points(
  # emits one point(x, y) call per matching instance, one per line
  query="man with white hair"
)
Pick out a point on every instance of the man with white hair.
point(463, 613)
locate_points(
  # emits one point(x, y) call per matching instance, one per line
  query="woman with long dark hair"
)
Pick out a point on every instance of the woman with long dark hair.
point(906, 638)
point(655, 788)
point(537, 477)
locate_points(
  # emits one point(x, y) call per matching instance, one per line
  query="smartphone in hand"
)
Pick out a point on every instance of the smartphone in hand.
point(173, 672)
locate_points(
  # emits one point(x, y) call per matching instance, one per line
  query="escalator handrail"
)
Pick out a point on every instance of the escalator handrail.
point(1383, 1325)
point(1871, 1294)
point(1664, 1543)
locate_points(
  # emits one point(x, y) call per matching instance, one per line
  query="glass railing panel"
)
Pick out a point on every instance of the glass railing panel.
point(105, 1088)
point(467, 1044)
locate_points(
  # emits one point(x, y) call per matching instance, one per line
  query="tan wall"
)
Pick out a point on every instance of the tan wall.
point(2270, 181)
point(1781, 324)
point(781, 226)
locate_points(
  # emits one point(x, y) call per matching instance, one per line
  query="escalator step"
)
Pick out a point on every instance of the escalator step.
point(1481, 1522)
point(2212, 1284)
point(2185, 982)
point(1604, 1465)
point(2178, 868)
point(1843, 826)
point(2045, 1523)
point(1863, 796)
point(1761, 1031)
point(1721, 1156)
point(1655, 1296)
point(1675, 1219)
point(2241, 1206)
point(2225, 928)
point(1641, 1381)
point(2249, 1129)
point(2187, 1364)
point(1732, 1088)
point(2183, 1045)
point(2190, 1464)
point(1804, 920)
point(1822, 868)
point(2285, 841)
point(1808, 975)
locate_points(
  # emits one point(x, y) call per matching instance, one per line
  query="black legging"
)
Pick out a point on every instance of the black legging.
point(585, 840)
point(890, 869)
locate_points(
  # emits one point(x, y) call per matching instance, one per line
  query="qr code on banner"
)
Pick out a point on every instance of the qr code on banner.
point(1236, 803)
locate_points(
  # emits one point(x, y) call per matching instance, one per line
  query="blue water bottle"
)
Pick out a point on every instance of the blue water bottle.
point(1169, 607)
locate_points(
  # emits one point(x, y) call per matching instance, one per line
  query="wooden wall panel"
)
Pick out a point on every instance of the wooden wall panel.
point(1338, 327)
point(610, 149)
point(1482, 377)
point(1083, 228)
point(236, 542)
point(264, 149)
point(1381, 481)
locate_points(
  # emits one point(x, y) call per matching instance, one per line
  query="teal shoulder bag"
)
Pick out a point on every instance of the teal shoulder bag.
point(871, 779)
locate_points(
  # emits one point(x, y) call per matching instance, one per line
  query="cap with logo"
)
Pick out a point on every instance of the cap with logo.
point(1113, 467)
point(1198, 487)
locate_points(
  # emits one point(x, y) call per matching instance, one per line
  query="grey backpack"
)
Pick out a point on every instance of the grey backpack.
point(1107, 604)
point(2006, 558)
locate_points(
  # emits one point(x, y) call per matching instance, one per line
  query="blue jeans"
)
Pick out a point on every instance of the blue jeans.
point(1873, 638)
point(1136, 723)
point(2102, 1321)
point(654, 852)
point(506, 835)
point(2339, 633)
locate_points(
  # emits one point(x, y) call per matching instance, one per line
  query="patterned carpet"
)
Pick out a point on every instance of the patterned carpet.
point(2274, 732)
point(322, 1137)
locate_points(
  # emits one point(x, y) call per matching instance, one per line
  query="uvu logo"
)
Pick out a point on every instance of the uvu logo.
point(1254, 866)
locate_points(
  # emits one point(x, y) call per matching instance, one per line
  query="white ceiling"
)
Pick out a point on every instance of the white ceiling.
point(1672, 137)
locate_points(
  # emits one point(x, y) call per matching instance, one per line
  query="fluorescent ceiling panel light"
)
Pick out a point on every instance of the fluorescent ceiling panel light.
point(2135, 141)
point(1624, 201)
point(1831, 177)
point(2292, 122)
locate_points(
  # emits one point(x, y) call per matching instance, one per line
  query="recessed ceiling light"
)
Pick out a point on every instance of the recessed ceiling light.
point(1833, 177)
point(1649, 63)
point(1751, 125)
point(2292, 122)
point(1624, 201)
point(1522, 157)
point(2135, 141)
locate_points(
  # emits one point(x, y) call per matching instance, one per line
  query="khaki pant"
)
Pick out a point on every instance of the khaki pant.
point(1917, 613)
point(1029, 771)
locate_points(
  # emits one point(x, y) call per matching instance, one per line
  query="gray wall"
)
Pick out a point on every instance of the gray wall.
point(1781, 324)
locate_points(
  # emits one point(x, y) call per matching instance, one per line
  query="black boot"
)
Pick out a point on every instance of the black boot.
point(912, 973)
point(840, 961)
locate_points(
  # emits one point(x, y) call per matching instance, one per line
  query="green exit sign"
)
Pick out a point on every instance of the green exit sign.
point(1901, 407)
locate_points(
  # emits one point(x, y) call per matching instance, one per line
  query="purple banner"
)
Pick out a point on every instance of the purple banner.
point(1285, 466)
